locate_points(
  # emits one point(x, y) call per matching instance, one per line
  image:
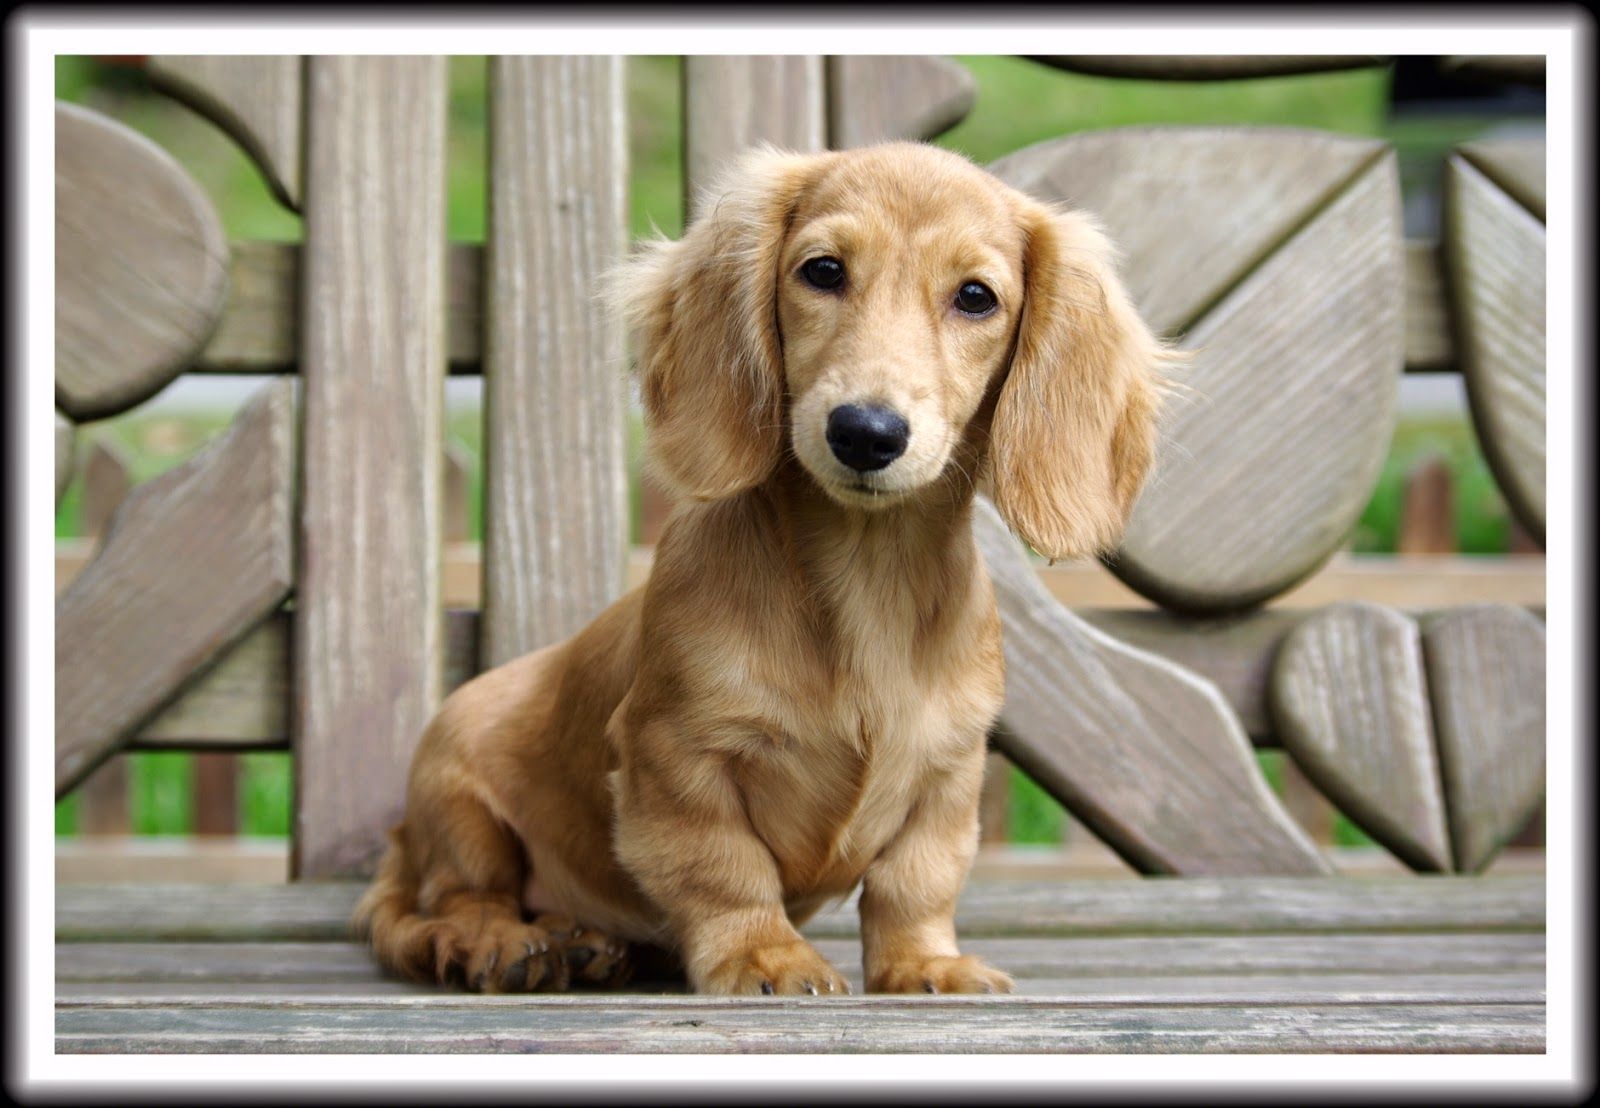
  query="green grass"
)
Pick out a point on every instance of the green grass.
point(1019, 103)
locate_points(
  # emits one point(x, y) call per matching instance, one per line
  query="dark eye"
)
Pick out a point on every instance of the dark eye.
point(823, 273)
point(975, 299)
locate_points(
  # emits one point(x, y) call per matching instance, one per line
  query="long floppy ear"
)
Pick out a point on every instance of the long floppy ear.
point(705, 314)
point(1074, 428)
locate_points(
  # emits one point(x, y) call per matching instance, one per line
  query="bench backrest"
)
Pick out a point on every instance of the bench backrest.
point(282, 589)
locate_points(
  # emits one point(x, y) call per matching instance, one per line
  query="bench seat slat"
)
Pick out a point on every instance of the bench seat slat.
point(849, 1024)
point(1514, 902)
point(242, 966)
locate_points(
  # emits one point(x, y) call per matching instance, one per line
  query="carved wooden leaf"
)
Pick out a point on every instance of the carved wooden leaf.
point(1486, 672)
point(193, 559)
point(876, 98)
point(141, 266)
point(1495, 252)
point(1143, 751)
point(255, 98)
point(1273, 447)
point(1351, 705)
point(1514, 164)
point(1192, 209)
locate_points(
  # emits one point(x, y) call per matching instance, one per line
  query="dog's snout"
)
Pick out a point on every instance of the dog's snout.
point(868, 437)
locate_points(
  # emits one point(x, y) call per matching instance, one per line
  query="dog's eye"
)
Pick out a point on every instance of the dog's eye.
point(823, 273)
point(975, 299)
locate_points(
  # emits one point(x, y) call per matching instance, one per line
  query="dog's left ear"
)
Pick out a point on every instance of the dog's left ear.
point(705, 315)
point(1074, 429)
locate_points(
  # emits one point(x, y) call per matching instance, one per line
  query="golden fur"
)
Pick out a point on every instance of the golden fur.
point(797, 701)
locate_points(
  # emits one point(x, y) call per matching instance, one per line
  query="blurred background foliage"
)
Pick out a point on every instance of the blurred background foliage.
point(1019, 103)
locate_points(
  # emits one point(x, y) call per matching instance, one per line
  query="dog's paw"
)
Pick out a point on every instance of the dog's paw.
point(592, 957)
point(782, 969)
point(964, 974)
point(501, 957)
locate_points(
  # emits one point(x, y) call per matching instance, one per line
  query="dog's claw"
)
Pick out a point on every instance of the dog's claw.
point(766, 988)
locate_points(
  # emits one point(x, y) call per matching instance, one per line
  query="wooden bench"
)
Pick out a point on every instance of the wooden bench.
point(281, 590)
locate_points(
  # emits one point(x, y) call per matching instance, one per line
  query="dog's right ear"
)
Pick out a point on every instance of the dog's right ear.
point(705, 317)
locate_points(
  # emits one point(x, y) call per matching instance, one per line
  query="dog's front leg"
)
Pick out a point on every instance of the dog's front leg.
point(683, 834)
point(908, 898)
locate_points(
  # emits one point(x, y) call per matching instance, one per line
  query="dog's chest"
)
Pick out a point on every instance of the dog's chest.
point(830, 790)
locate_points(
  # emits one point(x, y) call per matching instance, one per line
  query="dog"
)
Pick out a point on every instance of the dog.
point(832, 358)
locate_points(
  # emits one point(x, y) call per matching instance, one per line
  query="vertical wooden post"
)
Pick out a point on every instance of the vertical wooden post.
point(103, 796)
point(1427, 514)
point(216, 793)
point(368, 626)
point(731, 102)
point(555, 486)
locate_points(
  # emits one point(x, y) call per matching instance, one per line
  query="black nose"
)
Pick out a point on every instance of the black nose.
point(866, 438)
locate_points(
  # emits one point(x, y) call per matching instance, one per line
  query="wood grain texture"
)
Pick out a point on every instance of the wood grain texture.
point(192, 561)
point(255, 98)
point(783, 1025)
point(369, 640)
point(119, 968)
point(1207, 67)
point(1272, 451)
point(258, 334)
point(1188, 906)
point(1514, 164)
point(555, 481)
point(1486, 674)
point(141, 266)
point(259, 331)
point(1429, 344)
point(1144, 752)
point(105, 485)
point(734, 101)
point(882, 97)
point(1192, 209)
point(242, 701)
point(1495, 261)
point(1351, 704)
point(66, 439)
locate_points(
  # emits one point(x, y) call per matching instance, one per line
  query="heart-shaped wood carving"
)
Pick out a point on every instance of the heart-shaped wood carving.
point(1351, 706)
point(1430, 738)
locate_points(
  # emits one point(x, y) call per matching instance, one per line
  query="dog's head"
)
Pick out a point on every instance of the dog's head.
point(872, 311)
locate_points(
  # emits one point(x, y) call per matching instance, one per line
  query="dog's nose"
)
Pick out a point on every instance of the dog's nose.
point(866, 438)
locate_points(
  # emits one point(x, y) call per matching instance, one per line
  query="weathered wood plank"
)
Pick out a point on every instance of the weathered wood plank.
point(1192, 905)
point(837, 1025)
point(1486, 672)
point(255, 98)
point(1145, 753)
point(116, 968)
point(242, 701)
point(368, 645)
point(1068, 992)
point(1192, 209)
point(257, 332)
point(141, 266)
point(66, 438)
point(1495, 255)
point(106, 485)
point(880, 97)
point(1351, 702)
point(555, 485)
point(1516, 165)
point(734, 101)
point(192, 561)
point(1429, 345)
point(1271, 453)
point(1207, 67)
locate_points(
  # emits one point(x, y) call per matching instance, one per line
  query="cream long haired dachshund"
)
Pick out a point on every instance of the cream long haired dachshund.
point(832, 358)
